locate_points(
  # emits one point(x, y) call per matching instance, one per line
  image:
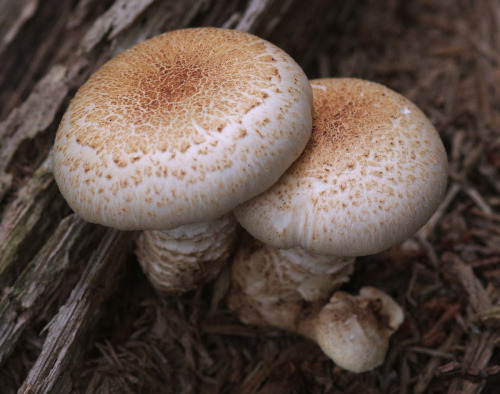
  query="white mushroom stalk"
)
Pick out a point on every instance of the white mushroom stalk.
point(179, 130)
point(180, 259)
point(372, 174)
point(292, 290)
point(270, 286)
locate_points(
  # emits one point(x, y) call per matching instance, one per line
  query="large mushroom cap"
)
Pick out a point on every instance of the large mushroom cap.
point(371, 175)
point(181, 128)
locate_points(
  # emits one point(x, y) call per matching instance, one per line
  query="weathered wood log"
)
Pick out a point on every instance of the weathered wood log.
point(38, 281)
point(27, 220)
point(69, 331)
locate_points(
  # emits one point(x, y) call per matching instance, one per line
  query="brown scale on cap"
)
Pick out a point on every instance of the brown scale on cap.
point(371, 175)
point(184, 82)
point(354, 126)
point(181, 128)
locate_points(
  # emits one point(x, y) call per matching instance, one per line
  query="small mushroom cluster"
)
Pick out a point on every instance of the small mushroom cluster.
point(190, 132)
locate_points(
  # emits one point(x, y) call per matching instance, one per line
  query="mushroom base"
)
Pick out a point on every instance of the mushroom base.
point(292, 290)
point(354, 331)
point(270, 286)
point(183, 258)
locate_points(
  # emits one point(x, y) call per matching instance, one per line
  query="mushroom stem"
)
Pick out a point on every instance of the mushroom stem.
point(270, 286)
point(180, 259)
point(291, 289)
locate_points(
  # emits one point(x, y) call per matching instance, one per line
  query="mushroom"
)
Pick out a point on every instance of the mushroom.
point(372, 173)
point(354, 331)
point(170, 135)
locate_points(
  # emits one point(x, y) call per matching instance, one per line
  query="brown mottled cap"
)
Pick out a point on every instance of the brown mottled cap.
point(181, 128)
point(372, 174)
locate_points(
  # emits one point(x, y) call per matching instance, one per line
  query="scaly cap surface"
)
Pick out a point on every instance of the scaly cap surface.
point(372, 174)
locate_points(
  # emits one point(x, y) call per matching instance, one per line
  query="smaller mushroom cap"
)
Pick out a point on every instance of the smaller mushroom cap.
point(371, 175)
point(181, 128)
point(354, 331)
